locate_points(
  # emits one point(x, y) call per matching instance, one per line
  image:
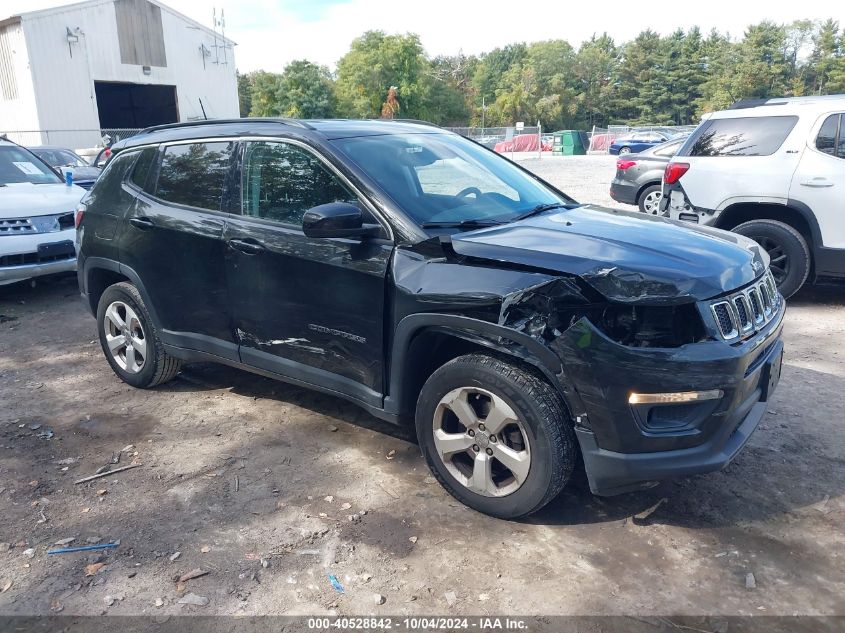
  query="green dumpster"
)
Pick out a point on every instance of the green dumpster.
point(569, 142)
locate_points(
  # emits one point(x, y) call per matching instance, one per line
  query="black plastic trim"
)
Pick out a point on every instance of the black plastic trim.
point(333, 387)
point(467, 328)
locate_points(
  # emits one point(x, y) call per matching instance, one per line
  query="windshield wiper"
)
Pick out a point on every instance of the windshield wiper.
point(463, 224)
point(540, 208)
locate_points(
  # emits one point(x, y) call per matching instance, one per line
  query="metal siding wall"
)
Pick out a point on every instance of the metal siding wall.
point(64, 85)
point(140, 33)
point(18, 111)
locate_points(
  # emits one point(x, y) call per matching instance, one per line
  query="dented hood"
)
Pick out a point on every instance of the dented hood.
point(627, 257)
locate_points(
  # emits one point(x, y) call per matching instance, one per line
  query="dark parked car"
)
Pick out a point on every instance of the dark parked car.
point(637, 142)
point(434, 283)
point(63, 159)
point(638, 176)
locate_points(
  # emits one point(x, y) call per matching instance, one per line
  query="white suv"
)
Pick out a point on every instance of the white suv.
point(772, 170)
point(36, 217)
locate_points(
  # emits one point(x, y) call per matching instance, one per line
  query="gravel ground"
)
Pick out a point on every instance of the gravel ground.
point(269, 488)
point(585, 178)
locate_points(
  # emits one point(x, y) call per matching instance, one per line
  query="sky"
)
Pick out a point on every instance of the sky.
point(272, 33)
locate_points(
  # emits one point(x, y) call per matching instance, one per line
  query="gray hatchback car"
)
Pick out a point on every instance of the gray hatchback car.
point(638, 176)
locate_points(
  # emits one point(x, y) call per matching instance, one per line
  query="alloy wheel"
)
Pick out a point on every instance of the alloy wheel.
point(125, 337)
point(651, 203)
point(481, 441)
point(779, 264)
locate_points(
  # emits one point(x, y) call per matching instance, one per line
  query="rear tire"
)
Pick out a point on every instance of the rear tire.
point(496, 435)
point(129, 339)
point(787, 249)
point(649, 200)
point(624, 150)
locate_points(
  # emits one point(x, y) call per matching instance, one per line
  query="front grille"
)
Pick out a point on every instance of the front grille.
point(36, 224)
point(17, 226)
point(742, 312)
point(748, 310)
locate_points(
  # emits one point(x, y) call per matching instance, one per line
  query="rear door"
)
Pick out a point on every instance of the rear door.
point(307, 308)
point(819, 181)
point(173, 240)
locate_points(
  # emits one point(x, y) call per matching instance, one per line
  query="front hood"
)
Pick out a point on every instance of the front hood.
point(26, 200)
point(627, 256)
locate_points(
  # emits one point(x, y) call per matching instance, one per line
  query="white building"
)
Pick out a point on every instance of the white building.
point(71, 71)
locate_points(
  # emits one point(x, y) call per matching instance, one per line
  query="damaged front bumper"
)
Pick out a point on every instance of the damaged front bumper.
point(629, 446)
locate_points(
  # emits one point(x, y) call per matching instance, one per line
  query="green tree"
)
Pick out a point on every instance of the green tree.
point(492, 68)
point(375, 62)
point(594, 66)
point(264, 94)
point(244, 94)
point(305, 90)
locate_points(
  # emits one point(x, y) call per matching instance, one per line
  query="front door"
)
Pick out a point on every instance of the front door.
point(311, 309)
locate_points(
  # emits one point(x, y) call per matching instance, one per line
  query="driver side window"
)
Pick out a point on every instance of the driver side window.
point(282, 181)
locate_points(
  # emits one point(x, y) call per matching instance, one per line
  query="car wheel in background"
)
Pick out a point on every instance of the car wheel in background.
point(649, 201)
point(496, 435)
point(624, 150)
point(787, 249)
point(129, 339)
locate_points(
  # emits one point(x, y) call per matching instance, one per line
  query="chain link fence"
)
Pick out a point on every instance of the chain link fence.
point(70, 139)
point(602, 138)
point(508, 139)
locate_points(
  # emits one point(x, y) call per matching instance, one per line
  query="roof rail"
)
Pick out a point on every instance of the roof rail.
point(774, 101)
point(172, 126)
point(743, 104)
point(417, 121)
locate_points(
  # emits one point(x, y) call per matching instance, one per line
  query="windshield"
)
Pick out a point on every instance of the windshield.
point(59, 157)
point(19, 166)
point(446, 179)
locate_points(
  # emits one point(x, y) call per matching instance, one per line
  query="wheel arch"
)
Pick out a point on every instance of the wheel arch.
point(644, 187)
point(424, 342)
point(794, 213)
point(100, 273)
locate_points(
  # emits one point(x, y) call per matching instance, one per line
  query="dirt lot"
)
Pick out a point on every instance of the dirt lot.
point(270, 488)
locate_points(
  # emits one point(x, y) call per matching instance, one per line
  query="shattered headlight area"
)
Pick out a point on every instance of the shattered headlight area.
point(651, 326)
point(547, 310)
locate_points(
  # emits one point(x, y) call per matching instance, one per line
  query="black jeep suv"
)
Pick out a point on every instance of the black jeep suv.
point(430, 280)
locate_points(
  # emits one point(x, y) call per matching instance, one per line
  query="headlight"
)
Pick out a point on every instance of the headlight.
point(651, 326)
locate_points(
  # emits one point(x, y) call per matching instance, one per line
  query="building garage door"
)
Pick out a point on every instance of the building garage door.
point(127, 105)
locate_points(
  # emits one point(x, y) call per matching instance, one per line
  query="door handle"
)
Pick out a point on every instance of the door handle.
point(142, 223)
point(817, 182)
point(250, 247)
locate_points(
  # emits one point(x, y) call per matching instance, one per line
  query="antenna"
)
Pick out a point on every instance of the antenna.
point(219, 22)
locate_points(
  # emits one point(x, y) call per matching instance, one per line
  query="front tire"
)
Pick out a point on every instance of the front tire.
point(787, 249)
point(129, 339)
point(496, 435)
point(624, 150)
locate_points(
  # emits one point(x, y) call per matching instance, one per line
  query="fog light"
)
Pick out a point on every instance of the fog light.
point(674, 398)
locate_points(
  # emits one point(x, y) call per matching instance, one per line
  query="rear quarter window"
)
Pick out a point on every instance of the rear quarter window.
point(830, 138)
point(743, 136)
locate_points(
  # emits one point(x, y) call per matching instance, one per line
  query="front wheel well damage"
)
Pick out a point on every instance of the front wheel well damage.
point(433, 348)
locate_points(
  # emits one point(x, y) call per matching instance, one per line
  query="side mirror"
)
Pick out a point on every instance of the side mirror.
point(336, 219)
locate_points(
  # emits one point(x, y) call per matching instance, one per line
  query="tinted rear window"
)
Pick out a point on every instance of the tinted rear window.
point(194, 174)
point(746, 136)
point(829, 133)
point(142, 168)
